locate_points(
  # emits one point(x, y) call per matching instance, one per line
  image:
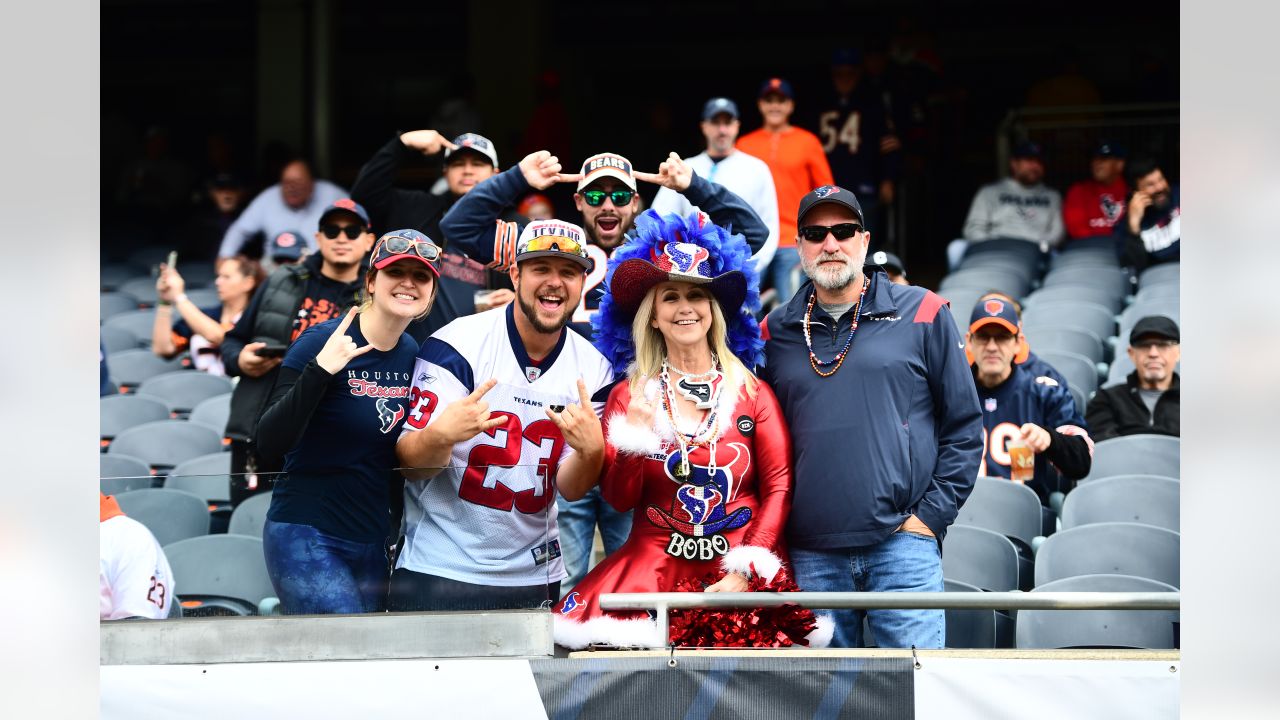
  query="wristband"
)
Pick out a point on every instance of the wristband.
point(180, 298)
point(163, 303)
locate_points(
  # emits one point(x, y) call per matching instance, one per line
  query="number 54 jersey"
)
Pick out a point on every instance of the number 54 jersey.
point(490, 517)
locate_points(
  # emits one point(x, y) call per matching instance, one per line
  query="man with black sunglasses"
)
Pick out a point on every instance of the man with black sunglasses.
point(468, 160)
point(294, 297)
point(885, 450)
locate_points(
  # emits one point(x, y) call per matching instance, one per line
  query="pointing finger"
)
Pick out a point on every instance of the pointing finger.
point(582, 393)
point(447, 143)
point(480, 391)
point(569, 177)
point(647, 177)
point(346, 322)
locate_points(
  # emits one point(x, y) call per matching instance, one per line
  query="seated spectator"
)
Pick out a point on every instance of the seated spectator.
point(297, 201)
point(134, 579)
point(1028, 361)
point(1147, 402)
point(202, 329)
point(536, 206)
point(1151, 231)
point(1020, 206)
point(1015, 407)
point(287, 248)
point(1093, 206)
point(893, 267)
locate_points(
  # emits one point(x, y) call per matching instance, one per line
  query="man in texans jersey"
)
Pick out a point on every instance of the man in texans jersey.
point(505, 415)
point(608, 200)
point(1015, 406)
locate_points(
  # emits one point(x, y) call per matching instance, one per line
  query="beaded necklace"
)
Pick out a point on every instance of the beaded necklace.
point(702, 436)
point(838, 360)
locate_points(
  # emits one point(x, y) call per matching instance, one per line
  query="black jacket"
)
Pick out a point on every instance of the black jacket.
point(1118, 410)
point(393, 208)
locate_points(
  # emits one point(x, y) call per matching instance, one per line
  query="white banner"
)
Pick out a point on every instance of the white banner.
point(357, 689)
point(979, 689)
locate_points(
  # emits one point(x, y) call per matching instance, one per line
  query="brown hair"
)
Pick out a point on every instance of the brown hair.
point(247, 267)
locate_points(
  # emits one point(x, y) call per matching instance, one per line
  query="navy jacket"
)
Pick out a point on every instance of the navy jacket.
point(896, 431)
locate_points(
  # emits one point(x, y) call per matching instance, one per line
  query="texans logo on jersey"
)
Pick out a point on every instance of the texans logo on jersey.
point(390, 419)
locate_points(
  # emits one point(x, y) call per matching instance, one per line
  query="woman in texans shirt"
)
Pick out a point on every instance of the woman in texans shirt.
point(335, 414)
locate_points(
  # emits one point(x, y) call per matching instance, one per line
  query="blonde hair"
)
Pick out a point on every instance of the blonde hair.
point(366, 297)
point(651, 348)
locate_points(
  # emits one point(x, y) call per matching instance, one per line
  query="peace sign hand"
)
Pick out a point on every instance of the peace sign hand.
point(429, 142)
point(674, 173)
point(340, 348)
point(541, 170)
point(579, 424)
point(466, 418)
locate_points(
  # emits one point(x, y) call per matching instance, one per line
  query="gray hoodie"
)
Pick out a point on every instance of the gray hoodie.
point(1007, 209)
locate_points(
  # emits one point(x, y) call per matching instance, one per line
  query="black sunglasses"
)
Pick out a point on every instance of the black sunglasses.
point(818, 233)
point(595, 198)
point(351, 231)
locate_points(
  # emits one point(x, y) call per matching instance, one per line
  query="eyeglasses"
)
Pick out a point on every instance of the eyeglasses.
point(818, 233)
point(397, 245)
point(595, 198)
point(553, 242)
point(1148, 344)
point(351, 231)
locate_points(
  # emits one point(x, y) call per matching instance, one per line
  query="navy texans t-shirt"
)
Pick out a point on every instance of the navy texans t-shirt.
point(336, 477)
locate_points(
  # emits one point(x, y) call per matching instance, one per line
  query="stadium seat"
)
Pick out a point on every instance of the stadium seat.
point(182, 390)
point(129, 368)
point(170, 515)
point(213, 412)
point(121, 473)
point(987, 279)
point(145, 259)
point(209, 477)
point(1000, 263)
point(1080, 315)
point(112, 276)
point(1028, 252)
point(115, 339)
point(219, 575)
point(250, 515)
point(967, 629)
point(198, 274)
point(1136, 455)
point(1150, 629)
point(142, 288)
point(1147, 499)
point(1011, 509)
point(138, 322)
point(980, 557)
point(204, 298)
point(1115, 548)
point(1073, 294)
point(1066, 339)
point(111, 304)
point(117, 413)
point(1079, 370)
point(962, 301)
point(1168, 293)
point(1084, 257)
point(1113, 281)
point(1164, 272)
point(1078, 397)
point(165, 443)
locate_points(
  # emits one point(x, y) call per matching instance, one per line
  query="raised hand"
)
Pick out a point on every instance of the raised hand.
point(169, 284)
point(579, 424)
point(541, 170)
point(463, 419)
point(674, 173)
point(639, 409)
point(340, 348)
point(429, 142)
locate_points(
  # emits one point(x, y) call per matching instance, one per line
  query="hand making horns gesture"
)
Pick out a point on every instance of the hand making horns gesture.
point(673, 173)
point(463, 419)
point(340, 348)
point(579, 424)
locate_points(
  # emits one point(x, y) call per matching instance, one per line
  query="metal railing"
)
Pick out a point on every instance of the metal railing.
point(662, 603)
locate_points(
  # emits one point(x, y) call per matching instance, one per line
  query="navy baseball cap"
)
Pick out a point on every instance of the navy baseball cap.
point(1026, 149)
point(828, 194)
point(286, 246)
point(718, 105)
point(1109, 148)
point(776, 85)
point(888, 261)
point(346, 205)
point(1155, 325)
point(997, 311)
point(478, 144)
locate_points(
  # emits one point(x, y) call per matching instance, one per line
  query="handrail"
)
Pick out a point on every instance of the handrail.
point(1016, 600)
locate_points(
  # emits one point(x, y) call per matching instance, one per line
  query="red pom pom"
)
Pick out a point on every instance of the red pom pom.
point(763, 627)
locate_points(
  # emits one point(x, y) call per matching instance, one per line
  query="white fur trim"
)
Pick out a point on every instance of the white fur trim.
point(631, 439)
point(741, 558)
point(606, 630)
point(820, 636)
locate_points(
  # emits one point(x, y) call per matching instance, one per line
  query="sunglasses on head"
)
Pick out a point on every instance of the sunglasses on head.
point(554, 242)
point(351, 231)
point(818, 233)
point(396, 245)
point(595, 198)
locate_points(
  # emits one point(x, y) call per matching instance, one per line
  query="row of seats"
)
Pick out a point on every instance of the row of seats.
point(131, 299)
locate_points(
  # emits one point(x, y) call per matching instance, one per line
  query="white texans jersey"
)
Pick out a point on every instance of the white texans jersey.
point(134, 578)
point(490, 517)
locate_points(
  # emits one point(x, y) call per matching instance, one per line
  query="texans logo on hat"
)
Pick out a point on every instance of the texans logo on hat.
point(824, 191)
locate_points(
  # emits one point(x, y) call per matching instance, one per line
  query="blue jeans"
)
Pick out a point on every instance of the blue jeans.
point(905, 562)
point(577, 522)
point(785, 282)
point(315, 573)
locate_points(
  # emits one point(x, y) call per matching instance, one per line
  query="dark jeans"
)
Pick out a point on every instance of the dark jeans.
point(415, 591)
point(315, 573)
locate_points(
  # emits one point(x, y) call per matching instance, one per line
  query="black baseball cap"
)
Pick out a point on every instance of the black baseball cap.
point(1026, 149)
point(1155, 325)
point(828, 194)
point(776, 86)
point(1109, 148)
point(717, 105)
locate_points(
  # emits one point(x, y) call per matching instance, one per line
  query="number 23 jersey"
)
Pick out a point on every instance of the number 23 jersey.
point(490, 517)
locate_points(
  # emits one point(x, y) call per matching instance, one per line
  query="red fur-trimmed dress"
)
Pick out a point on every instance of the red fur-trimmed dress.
point(686, 535)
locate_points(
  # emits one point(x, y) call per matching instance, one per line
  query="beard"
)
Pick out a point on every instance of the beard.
point(827, 277)
point(531, 313)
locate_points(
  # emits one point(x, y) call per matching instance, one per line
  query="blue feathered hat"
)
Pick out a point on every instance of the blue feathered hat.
point(690, 249)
